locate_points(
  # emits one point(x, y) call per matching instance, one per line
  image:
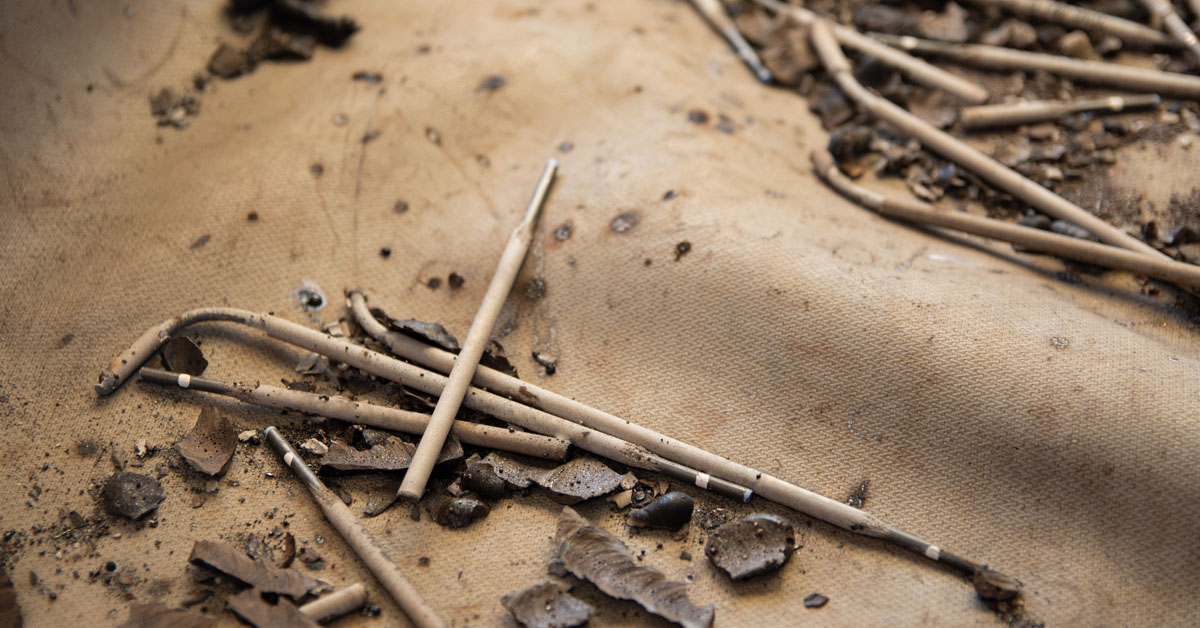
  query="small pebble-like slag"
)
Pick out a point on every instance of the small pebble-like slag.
point(670, 511)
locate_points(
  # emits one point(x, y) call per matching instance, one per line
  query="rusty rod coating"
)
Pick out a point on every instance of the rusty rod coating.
point(1034, 239)
point(356, 536)
point(413, 485)
point(944, 144)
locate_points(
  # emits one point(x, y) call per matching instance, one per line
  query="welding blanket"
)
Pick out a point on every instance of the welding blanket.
point(698, 279)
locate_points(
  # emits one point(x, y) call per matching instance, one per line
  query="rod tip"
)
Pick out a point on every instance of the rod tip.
point(993, 585)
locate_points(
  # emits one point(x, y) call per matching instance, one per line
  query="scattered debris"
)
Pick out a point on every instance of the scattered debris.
point(456, 512)
point(156, 616)
point(858, 497)
point(310, 296)
point(393, 454)
point(815, 600)
point(312, 364)
point(433, 333)
point(492, 83)
point(600, 558)
point(547, 605)
point(709, 516)
point(374, 78)
point(670, 511)
point(563, 232)
point(250, 606)
point(548, 363)
point(314, 446)
point(210, 445)
point(382, 495)
point(624, 222)
point(256, 573)
point(311, 558)
point(132, 495)
point(173, 109)
point(580, 479)
point(535, 289)
point(993, 585)
point(750, 546)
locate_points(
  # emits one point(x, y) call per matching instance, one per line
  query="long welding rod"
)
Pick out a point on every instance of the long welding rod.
point(386, 571)
point(459, 380)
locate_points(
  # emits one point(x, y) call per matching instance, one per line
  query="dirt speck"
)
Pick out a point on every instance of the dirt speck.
point(199, 242)
point(697, 116)
point(858, 497)
point(434, 283)
point(492, 83)
point(681, 249)
point(563, 232)
point(455, 281)
point(370, 136)
point(373, 78)
point(815, 600)
point(316, 169)
point(433, 136)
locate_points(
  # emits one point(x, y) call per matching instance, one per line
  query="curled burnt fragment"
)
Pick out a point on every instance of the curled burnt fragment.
point(577, 480)
point(210, 444)
point(600, 558)
point(181, 355)
point(256, 573)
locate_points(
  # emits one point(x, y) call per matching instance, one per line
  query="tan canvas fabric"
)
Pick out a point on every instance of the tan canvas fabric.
point(1047, 427)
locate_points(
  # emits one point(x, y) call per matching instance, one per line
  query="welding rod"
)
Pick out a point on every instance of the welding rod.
point(385, 569)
